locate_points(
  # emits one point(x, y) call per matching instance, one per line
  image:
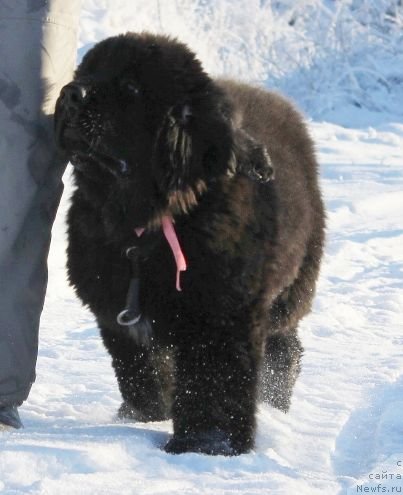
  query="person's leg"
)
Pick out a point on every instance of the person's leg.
point(37, 57)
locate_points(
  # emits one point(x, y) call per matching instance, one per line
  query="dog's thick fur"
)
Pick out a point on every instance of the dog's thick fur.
point(151, 135)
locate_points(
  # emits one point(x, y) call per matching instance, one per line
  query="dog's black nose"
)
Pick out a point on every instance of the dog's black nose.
point(72, 96)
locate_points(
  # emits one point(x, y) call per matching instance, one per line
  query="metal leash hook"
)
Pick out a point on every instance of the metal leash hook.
point(131, 314)
point(138, 326)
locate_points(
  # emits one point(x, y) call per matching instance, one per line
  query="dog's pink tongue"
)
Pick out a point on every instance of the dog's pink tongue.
point(171, 237)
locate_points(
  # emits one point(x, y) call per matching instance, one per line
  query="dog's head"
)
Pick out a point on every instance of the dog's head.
point(142, 115)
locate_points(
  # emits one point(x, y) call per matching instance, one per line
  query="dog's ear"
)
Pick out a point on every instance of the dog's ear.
point(173, 149)
point(195, 141)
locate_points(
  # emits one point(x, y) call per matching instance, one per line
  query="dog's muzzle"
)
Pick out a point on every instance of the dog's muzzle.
point(72, 97)
point(79, 131)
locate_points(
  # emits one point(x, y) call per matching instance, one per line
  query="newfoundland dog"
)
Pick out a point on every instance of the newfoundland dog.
point(195, 232)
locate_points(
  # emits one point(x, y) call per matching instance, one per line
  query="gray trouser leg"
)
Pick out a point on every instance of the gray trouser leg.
point(37, 57)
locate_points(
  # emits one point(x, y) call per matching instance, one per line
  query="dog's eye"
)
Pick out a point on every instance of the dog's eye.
point(129, 87)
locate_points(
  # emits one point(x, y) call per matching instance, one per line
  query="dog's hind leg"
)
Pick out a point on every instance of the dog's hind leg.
point(280, 369)
point(144, 376)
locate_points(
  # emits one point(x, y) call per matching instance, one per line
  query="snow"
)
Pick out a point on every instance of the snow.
point(345, 428)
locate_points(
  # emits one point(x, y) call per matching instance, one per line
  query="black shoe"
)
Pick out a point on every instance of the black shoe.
point(9, 418)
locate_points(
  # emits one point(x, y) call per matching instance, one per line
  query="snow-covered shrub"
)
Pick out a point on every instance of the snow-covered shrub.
point(340, 52)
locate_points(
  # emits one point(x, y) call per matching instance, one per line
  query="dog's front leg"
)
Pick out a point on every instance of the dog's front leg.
point(216, 382)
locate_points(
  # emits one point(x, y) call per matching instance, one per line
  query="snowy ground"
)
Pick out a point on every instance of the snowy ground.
point(345, 422)
point(344, 430)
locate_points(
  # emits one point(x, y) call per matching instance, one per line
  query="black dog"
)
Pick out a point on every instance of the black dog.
point(200, 323)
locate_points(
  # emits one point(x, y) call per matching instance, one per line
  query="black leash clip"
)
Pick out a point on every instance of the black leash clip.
point(139, 327)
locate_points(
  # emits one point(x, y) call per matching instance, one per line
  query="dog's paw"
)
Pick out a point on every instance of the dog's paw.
point(261, 169)
point(129, 413)
point(213, 442)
